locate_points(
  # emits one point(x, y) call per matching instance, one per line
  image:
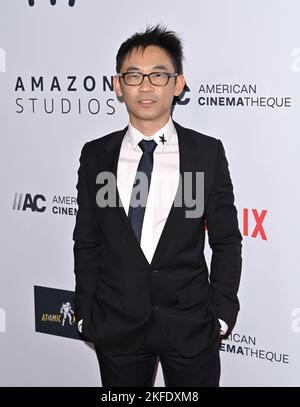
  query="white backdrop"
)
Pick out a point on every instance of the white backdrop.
point(254, 45)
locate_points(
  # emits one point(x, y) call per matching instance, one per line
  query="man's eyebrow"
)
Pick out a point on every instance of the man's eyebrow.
point(160, 67)
point(134, 68)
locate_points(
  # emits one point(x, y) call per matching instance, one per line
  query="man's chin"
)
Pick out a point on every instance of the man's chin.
point(147, 116)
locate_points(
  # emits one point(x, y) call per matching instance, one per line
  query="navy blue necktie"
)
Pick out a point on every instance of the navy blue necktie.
point(136, 213)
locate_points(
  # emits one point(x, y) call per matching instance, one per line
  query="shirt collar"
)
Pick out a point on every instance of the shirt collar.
point(162, 136)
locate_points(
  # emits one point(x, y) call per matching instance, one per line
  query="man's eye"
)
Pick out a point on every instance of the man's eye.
point(133, 75)
point(158, 74)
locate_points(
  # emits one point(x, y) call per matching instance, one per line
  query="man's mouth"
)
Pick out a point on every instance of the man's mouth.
point(146, 102)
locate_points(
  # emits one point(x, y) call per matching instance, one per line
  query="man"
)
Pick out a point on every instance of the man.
point(142, 284)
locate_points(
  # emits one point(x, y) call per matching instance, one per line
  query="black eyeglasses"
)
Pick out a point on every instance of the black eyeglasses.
point(155, 78)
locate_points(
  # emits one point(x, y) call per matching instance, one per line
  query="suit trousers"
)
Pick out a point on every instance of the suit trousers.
point(139, 369)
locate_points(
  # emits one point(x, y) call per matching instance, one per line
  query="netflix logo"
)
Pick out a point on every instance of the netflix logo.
point(253, 220)
point(252, 223)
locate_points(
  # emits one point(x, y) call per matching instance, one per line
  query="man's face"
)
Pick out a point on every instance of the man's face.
point(147, 102)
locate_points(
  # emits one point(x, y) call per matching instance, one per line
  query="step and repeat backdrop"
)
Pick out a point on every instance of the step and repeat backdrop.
point(57, 60)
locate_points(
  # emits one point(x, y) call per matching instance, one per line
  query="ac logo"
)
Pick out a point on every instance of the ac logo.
point(23, 203)
point(180, 100)
point(52, 2)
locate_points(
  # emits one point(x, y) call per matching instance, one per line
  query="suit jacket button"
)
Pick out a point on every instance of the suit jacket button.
point(154, 272)
point(155, 307)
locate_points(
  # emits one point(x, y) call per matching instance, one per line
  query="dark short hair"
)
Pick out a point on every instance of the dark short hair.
point(157, 35)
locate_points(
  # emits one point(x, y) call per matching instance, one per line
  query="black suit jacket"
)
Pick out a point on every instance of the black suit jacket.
point(118, 292)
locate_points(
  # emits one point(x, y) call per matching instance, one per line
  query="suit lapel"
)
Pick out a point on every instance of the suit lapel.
point(172, 224)
point(110, 163)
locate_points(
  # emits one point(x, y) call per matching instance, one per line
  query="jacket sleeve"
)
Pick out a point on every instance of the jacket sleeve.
point(225, 241)
point(87, 241)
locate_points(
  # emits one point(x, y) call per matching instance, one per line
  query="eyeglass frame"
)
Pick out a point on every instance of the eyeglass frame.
point(170, 75)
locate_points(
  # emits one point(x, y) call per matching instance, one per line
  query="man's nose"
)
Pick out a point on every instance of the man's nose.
point(146, 84)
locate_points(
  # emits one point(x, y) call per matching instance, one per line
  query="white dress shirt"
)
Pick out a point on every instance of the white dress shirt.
point(164, 180)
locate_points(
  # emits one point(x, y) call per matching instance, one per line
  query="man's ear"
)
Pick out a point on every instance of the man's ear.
point(179, 85)
point(117, 86)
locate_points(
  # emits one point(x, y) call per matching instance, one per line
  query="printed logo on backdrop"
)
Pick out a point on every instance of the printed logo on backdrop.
point(2, 60)
point(65, 95)
point(38, 203)
point(88, 95)
point(253, 223)
point(52, 2)
point(182, 99)
point(247, 346)
point(235, 95)
point(54, 312)
point(2, 320)
point(252, 219)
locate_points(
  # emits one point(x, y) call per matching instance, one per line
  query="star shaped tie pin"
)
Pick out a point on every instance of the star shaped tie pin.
point(162, 139)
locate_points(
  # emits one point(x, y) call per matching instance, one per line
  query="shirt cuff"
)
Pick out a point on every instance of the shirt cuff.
point(79, 325)
point(223, 328)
